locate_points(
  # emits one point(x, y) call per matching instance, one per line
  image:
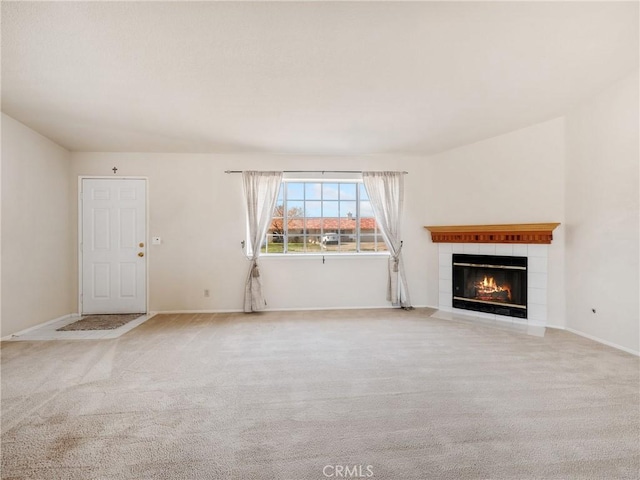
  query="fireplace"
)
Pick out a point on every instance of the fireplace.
point(490, 284)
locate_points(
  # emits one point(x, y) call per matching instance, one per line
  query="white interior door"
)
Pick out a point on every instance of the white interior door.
point(113, 246)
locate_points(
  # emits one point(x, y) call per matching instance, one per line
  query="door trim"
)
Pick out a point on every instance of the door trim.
point(80, 226)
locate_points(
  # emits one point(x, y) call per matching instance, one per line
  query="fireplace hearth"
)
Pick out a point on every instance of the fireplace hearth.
point(490, 284)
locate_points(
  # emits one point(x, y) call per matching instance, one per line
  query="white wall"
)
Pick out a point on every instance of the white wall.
point(513, 178)
point(602, 215)
point(36, 232)
point(198, 211)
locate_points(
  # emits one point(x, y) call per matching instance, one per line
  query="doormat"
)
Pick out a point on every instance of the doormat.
point(100, 322)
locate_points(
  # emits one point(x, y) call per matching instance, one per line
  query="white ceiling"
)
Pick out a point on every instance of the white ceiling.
point(294, 77)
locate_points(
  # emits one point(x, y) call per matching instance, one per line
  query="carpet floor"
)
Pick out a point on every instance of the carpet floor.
point(384, 394)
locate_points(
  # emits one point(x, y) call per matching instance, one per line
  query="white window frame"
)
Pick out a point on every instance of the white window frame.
point(357, 180)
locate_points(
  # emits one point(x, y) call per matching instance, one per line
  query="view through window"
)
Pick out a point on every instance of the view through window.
point(323, 217)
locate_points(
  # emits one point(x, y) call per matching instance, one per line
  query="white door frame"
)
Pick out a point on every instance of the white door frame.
point(80, 226)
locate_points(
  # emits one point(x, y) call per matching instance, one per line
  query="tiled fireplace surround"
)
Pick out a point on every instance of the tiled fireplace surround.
point(536, 254)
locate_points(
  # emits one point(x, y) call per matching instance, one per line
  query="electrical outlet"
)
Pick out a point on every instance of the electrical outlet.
point(207, 293)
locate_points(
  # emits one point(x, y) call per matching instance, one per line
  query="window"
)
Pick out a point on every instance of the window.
point(323, 217)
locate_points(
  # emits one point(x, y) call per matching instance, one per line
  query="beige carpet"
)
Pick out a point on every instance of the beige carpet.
point(284, 395)
point(101, 322)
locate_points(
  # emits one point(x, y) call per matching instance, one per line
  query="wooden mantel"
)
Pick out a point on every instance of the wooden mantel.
point(509, 233)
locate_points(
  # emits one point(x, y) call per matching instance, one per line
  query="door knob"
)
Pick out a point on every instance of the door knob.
point(141, 254)
point(141, 244)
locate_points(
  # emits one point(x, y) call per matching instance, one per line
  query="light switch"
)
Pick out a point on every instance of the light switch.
point(156, 241)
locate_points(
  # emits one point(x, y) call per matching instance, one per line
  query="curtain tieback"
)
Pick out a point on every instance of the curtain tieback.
point(396, 258)
point(255, 271)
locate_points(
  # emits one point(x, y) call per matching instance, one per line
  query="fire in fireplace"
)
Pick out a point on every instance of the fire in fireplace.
point(490, 284)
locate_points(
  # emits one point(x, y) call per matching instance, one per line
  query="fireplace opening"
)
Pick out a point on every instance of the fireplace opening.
point(490, 284)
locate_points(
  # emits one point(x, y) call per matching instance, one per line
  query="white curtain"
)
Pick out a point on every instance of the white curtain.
point(386, 193)
point(261, 194)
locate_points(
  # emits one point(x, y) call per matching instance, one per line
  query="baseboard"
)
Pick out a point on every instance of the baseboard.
point(326, 309)
point(176, 312)
point(301, 309)
point(40, 325)
point(556, 327)
point(427, 306)
point(599, 340)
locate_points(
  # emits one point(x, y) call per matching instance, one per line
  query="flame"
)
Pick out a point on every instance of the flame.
point(488, 285)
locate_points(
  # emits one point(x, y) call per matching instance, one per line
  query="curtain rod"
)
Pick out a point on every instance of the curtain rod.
point(310, 171)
